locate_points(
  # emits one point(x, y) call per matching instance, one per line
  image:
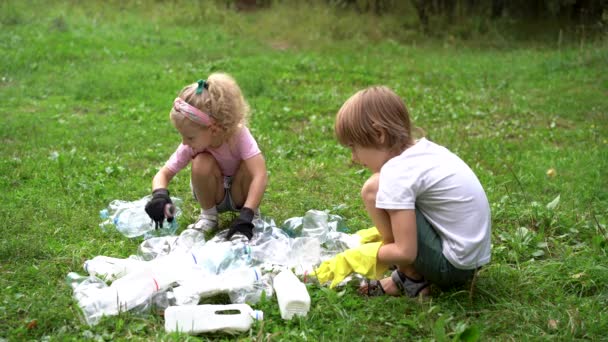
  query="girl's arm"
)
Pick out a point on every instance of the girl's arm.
point(404, 249)
point(259, 178)
point(162, 178)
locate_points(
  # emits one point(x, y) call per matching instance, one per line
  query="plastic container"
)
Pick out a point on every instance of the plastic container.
point(292, 295)
point(202, 284)
point(196, 319)
point(131, 219)
point(314, 224)
point(109, 268)
point(136, 288)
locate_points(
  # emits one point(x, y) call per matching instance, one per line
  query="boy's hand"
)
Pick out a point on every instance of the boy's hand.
point(159, 207)
point(243, 224)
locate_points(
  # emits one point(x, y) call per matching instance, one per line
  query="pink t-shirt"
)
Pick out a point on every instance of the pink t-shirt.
point(241, 146)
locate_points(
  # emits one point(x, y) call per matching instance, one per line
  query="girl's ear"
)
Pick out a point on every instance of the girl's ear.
point(214, 128)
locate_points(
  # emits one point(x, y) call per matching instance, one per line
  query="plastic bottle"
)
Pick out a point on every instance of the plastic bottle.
point(203, 284)
point(292, 295)
point(131, 219)
point(195, 319)
point(110, 268)
point(135, 288)
point(314, 224)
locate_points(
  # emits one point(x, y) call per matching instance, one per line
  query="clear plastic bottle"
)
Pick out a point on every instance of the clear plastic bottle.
point(131, 219)
point(196, 319)
point(314, 224)
point(292, 295)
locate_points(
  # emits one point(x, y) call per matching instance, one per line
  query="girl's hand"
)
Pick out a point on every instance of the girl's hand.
point(243, 224)
point(159, 207)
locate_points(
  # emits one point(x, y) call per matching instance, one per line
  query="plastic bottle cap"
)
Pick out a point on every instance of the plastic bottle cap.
point(258, 315)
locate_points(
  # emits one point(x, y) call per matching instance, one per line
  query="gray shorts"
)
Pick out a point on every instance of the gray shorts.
point(430, 261)
point(227, 204)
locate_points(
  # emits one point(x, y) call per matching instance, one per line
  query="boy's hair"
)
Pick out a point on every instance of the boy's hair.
point(370, 114)
point(221, 99)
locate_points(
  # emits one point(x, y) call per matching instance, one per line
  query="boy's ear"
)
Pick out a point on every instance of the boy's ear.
point(380, 133)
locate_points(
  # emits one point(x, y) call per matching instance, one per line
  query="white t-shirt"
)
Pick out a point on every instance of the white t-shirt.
point(429, 177)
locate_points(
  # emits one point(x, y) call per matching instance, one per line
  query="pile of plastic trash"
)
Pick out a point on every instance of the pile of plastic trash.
point(176, 270)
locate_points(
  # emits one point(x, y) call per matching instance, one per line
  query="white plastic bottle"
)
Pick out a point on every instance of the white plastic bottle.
point(292, 295)
point(196, 319)
point(202, 284)
point(136, 287)
point(109, 268)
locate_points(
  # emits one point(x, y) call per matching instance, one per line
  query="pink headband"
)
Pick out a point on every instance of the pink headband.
point(192, 112)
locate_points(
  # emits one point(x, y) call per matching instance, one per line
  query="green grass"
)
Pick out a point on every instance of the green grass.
point(85, 91)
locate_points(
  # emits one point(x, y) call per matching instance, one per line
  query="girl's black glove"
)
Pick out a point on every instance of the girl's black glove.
point(243, 224)
point(159, 207)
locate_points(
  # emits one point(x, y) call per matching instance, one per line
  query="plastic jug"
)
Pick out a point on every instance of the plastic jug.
point(196, 319)
point(292, 295)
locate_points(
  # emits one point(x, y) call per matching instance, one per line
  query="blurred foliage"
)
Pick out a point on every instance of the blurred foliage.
point(466, 19)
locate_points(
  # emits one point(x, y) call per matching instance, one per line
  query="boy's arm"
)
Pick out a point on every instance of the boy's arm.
point(256, 166)
point(405, 246)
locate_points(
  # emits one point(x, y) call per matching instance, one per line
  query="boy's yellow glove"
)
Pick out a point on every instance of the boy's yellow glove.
point(362, 260)
point(369, 235)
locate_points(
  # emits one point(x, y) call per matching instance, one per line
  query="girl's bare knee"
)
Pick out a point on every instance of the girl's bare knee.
point(203, 165)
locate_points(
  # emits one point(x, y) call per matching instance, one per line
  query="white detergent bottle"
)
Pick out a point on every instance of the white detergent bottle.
point(292, 295)
point(196, 319)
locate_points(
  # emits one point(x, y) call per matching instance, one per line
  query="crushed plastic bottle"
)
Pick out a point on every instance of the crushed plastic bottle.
point(201, 284)
point(253, 294)
point(131, 219)
point(293, 226)
point(109, 268)
point(170, 265)
point(314, 224)
point(163, 245)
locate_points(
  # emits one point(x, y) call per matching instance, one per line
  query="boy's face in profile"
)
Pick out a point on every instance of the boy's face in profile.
point(370, 157)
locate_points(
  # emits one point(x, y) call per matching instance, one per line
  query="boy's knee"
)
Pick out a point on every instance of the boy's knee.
point(370, 188)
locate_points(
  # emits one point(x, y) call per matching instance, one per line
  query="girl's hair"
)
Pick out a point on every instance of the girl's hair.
point(221, 99)
point(371, 113)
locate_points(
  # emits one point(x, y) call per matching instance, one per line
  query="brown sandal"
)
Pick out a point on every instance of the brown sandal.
point(407, 285)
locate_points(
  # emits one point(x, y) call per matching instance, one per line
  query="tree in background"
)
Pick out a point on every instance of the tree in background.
point(430, 12)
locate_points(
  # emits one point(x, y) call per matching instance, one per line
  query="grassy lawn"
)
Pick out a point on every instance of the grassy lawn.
point(85, 91)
